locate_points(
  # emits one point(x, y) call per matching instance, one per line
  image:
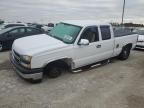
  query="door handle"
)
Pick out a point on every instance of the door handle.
point(98, 46)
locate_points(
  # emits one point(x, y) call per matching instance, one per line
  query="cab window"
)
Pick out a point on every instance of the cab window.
point(91, 34)
point(105, 32)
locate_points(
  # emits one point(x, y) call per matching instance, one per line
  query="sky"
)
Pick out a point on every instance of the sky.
point(45, 11)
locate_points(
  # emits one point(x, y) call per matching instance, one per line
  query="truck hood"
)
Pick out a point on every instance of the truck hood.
point(36, 44)
point(141, 38)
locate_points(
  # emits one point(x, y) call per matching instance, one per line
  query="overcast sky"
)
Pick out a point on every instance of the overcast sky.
point(56, 10)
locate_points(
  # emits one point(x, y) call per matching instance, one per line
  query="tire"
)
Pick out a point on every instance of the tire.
point(1, 46)
point(124, 55)
point(55, 71)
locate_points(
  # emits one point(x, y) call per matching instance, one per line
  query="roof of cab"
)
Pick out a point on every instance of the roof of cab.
point(86, 22)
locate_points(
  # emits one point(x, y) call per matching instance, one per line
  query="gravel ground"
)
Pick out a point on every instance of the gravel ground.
point(119, 84)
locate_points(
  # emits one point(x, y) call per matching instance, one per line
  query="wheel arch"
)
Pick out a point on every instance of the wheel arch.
point(64, 62)
point(128, 45)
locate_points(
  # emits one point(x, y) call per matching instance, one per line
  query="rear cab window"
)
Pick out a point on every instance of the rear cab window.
point(105, 32)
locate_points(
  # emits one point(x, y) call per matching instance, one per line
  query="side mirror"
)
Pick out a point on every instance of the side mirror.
point(84, 42)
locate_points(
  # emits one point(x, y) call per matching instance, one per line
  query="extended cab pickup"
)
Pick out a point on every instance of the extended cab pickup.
point(69, 45)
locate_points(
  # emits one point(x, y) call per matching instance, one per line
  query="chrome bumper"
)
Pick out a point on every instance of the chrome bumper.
point(35, 76)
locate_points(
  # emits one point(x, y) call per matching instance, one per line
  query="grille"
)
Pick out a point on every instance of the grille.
point(16, 56)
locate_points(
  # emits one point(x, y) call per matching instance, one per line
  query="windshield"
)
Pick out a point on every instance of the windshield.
point(65, 32)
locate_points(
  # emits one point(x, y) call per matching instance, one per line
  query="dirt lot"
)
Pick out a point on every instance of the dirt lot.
point(119, 84)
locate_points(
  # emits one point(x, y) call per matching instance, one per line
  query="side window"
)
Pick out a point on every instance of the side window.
point(15, 31)
point(36, 31)
point(9, 25)
point(21, 30)
point(29, 30)
point(33, 31)
point(91, 34)
point(105, 32)
point(13, 25)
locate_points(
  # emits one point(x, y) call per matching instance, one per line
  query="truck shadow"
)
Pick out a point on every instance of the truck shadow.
point(142, 50)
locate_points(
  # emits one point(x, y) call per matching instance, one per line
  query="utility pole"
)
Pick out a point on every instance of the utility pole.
point(123, 12)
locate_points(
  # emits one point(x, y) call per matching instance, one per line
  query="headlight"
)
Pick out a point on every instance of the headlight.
point(26, 59)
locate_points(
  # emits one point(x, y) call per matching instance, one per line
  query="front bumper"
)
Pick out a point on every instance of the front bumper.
point(34, 74)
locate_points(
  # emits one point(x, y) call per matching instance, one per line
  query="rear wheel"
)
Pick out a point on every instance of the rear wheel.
point(124, 55)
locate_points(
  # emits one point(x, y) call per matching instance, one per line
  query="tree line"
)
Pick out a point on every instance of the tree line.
point(128, 24)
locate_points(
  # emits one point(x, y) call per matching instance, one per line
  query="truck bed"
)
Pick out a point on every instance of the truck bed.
point(120, 32)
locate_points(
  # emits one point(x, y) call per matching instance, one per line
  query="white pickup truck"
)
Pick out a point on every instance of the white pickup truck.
point(69, 45)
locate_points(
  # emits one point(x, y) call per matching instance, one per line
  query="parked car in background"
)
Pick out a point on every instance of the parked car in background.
point(140, 41)
point(48, 27)
point(8, 35)
point(7, 25)
point(1, 21)
point(45, 27)
point(69, 45)
point(35, 25)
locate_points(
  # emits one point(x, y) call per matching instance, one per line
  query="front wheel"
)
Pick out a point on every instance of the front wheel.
point(55, 71)
point(124, 55)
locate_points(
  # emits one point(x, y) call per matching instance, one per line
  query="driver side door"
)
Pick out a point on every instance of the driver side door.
point(88, 54)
